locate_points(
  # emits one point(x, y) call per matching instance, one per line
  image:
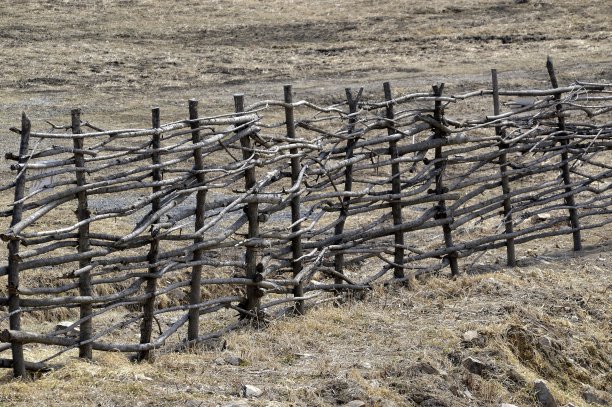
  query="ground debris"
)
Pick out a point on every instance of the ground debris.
point(249, 390)
point(543, 394)
point(475, 366)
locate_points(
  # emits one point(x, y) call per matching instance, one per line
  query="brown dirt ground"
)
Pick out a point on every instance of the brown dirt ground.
point(548, 318)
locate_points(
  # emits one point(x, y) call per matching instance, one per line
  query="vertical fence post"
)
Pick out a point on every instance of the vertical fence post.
point(253, 293)
point(565, 172)
point(148, 307)
point(296, 168)
point(503, 167)
point(396, 186)
point(86, 327)
point(348, 180)
point(13, 251)
point(195, 293)
point(440, 189)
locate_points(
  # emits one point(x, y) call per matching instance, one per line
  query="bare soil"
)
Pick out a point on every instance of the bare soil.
point(549, 318)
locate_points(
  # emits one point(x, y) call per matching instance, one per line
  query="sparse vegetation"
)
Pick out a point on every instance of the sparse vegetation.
point(549, 318)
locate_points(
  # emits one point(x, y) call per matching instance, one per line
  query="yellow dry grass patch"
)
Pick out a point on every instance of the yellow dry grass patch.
point(395, 347)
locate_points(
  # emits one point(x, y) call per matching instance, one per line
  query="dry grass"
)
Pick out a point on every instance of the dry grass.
point(115, 59)
point(548, 318)
point(121, 57)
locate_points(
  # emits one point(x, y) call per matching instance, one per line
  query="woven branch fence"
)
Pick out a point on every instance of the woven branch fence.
point(165, 237)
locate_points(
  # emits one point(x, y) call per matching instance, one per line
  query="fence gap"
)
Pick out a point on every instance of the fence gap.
point(565, 172)
point(348, 180)
point(396, 186)
point(14, 308)
point(148, 308)
point(296, 168)
point(503, 167)
point(440, 166)
point(85, 289)
point(195, 291)
point(253, 293)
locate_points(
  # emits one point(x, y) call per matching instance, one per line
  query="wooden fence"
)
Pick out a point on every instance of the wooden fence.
point(149, 233)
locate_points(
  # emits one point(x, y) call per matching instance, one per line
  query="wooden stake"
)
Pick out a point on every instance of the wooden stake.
point(296, 168)
point(503, 167)
point(348, 181)
point(148, 308)
point(565, 172)
point(396, 187)
point(86, 328)
point(19, 369)
point(253, 293)
point(440, 166)
point(195, 293)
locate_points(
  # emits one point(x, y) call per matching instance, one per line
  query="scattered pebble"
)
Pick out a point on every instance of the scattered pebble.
point(540, 217)
point(233, 360)
point(62, 325)
point(251, 391)
point(543, 394)
point(469, 336)
point(474, 365)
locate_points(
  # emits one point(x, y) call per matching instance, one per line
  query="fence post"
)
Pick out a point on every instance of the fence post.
point(396, 186)
point(86, 327)
point(195, 293)
point(296, 168)
point(253, 293)
point(440, 166)
point(13, 251)
point(148, 307)
point(503, 167)
point(348, 180)
point(565, 172)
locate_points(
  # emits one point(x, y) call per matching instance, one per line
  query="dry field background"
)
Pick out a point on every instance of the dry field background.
point(548, 318)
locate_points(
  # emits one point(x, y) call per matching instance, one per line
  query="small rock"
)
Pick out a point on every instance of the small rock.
point(469, 336)
point(233, 360)
point(424, 367)
point(237, 404)
point(473, 338)
point(592, 396)
point(467, 394)
point(364, 365)
point(543, 394)
point(74, 331)
point(540, 217)
point(545, 343)
point(139, 376)
point(355, 403)
point(455, 357)
point(474, 365)
point(251, 391)
point(507, 405)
